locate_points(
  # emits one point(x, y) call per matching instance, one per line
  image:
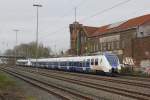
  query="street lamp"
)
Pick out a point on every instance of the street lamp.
point(16, 30)
point(37, 29)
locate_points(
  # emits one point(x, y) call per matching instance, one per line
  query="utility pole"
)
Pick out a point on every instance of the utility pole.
point(55, 50)
point(16, 31)
point(37, 29)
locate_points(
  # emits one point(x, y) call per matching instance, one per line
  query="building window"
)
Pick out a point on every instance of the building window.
point(101, 46)
point(97, 46)
point(104, 46)
point(112, 45)
point(117, 45)
point(93, 47)
point(109, 45)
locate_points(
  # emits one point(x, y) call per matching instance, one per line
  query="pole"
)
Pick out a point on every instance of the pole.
point(37, 30)
point(16, 30)
point(55, 50)
point(75, 14)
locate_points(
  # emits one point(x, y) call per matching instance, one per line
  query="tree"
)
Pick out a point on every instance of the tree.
point(9, 52)
point(29, 50)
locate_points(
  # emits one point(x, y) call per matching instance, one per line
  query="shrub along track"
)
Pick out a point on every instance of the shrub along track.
point(116, 90)
point(59, 92)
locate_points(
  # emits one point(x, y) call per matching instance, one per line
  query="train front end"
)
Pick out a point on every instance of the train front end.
point(113, 62)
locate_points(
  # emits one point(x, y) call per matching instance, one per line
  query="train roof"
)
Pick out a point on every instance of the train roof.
point(76, 58)
point(22, 60)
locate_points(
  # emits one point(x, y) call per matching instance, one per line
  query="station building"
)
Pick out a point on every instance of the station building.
point(127, 39)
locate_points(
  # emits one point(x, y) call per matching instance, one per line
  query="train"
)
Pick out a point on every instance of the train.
point(105, 62)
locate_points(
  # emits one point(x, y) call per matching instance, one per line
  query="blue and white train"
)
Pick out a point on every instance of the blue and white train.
point(106, 62)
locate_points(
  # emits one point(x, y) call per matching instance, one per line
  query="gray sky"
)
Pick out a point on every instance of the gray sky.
point(55, 17)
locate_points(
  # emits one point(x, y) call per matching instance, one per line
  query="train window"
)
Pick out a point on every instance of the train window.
point(84, 63)
point(64, 64)
point(61, 63)
point(92, 61)
point(87, 63)
point(96, 61)
point(69, 63)
point(76, 63)
point(113, 60)
point(56, 64)
point(80, 64)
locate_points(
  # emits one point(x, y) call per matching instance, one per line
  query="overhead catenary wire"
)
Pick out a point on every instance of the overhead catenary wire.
point(120, 19)
point(53, 33)
point(105, 10)
point(64, 15)
point(93, 15)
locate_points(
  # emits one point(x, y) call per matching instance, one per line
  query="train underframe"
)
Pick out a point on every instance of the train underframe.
point(112, 72)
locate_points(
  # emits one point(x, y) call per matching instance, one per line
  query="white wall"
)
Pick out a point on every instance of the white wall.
point(144, 30)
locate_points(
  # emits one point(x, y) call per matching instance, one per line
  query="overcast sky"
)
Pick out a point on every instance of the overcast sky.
point(55, 17)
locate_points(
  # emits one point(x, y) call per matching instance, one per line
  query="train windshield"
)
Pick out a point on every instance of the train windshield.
point(113, 60)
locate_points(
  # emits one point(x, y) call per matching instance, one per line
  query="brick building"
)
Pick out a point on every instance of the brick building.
point(128, 39)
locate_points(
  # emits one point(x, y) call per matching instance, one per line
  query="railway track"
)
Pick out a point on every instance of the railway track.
point(134, 78)
point(118, 77)
point(108, 79)
point(123, 92)
point(52, 89)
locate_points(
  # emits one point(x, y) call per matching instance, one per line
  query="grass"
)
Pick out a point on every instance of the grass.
point(5, 81)
point(30, 98)
point(9, 85)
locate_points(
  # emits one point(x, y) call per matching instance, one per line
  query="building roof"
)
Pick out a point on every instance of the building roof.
point(120, 26)
point(90, 30)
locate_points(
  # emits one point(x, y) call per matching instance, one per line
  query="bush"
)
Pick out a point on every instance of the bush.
point(126, 70)
point(132, 72)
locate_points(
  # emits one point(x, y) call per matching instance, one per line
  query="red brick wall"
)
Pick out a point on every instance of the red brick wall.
point(141, 49)
point(127, 38)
